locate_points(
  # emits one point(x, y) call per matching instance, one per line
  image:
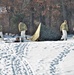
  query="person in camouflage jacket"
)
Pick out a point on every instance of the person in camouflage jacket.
point(64, 29)
point(22, 28)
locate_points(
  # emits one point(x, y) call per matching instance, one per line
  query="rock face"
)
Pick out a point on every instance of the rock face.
point(37, 58)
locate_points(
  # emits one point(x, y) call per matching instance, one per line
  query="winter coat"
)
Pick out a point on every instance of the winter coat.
point(64, 26)
point(22, 26)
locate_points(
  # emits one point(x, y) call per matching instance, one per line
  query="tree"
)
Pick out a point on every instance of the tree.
point(50, 13)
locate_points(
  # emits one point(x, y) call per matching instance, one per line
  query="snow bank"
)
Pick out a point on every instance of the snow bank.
point(37, 58)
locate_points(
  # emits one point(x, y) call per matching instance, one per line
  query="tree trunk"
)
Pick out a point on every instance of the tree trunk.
point(32, 21)
point(63, 9)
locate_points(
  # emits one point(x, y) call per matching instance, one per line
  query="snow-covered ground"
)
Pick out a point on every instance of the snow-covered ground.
point(9, 39)
point(71, 37)
point(37, 58)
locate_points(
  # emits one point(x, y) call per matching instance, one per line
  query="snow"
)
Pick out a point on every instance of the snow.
point(37, 58)
point(9, 38)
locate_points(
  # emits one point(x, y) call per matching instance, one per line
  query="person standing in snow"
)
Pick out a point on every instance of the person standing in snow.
point(22, 28)
point(1, 34)
point(64, 29)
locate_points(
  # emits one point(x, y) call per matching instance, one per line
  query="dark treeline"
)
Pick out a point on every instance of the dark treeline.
point(50, 13)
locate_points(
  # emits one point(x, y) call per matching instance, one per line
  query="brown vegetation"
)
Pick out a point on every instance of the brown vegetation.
point(50, 13)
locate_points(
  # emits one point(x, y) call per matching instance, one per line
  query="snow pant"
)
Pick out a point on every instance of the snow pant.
point(1, 34)
point(64, 35)
point(23, 36)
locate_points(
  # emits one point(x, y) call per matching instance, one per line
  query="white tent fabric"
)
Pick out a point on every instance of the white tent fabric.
point(36, 34)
